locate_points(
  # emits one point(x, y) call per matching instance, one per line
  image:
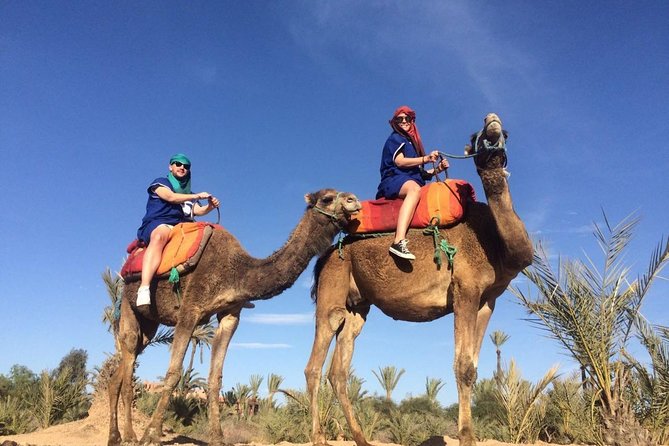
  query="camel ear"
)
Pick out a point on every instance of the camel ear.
point(310, 199)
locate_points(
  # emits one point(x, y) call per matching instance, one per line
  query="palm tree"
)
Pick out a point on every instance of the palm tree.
point(521, 403)
point(432, 388)
point(202, 336)
point(273, 384)
point(111, 313)
point(355, 391)
point(591, 313)
point(498, 338)
point(388, 378)
point(653, 385)
point(241, 394)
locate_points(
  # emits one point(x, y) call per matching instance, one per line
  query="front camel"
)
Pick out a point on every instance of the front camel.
point(493, 247)
point(225, 279)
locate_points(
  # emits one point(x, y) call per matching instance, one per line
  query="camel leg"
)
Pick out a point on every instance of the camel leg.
point(131, 345)
point(182, 333)
point(465, 312)
point(328, 321)
point(341, 366)
point(227, 325)
point(482, 318)
point(333, 289)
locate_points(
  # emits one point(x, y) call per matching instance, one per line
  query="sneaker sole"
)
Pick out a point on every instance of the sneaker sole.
point(402, 255)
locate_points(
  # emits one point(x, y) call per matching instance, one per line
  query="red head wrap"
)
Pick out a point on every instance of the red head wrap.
point(412, 134)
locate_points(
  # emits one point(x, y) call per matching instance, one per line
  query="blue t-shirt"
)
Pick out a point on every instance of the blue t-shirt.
point(159, 211)
point(393, 177)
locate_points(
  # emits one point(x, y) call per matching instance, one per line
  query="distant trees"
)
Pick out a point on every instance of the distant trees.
point(498, 338)
point(29, 401)
point(388, 377)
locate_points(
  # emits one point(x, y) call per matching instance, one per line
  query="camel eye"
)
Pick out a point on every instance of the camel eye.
point(327, 199)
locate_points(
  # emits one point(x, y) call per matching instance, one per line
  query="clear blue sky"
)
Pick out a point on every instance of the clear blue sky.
point(275, 99)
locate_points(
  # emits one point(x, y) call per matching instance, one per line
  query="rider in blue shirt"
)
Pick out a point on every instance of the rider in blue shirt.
point(403, 174)
point(170, 202)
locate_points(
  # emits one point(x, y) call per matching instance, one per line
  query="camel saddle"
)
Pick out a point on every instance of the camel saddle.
point(443, 202)
point(182, 251)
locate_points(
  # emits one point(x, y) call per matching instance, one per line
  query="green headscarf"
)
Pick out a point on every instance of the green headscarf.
point(180, 186)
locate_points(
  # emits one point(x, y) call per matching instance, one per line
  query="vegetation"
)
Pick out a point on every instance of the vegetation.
point(594, 314)
point(29, 401)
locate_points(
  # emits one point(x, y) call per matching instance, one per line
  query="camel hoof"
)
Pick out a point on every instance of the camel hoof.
point(150, 438)
point(114, 439)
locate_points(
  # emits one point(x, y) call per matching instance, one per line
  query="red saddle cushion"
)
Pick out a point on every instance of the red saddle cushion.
point(445, 200)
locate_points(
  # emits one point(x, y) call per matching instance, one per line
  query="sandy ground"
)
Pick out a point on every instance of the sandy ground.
point(92, 431)
point(88, 433)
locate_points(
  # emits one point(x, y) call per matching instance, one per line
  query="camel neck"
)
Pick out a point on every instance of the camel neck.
point(518, 248)
point(276, 273)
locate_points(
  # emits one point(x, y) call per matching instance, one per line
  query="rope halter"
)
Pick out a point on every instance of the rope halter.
point(333, 217)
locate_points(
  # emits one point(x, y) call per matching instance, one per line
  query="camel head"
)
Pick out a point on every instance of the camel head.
point(339, 206)
point(489, 144)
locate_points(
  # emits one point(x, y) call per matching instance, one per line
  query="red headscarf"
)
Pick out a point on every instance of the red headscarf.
point(412, 134)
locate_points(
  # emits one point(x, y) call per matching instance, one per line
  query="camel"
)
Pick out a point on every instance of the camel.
point(225, 280)
point(492, 248)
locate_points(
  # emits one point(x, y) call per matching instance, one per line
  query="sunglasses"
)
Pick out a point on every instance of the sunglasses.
point(185, 166)
point(401, 119)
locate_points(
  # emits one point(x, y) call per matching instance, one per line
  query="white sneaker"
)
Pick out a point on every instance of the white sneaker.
point(143, 296)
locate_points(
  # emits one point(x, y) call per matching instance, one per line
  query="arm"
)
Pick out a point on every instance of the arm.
point(212, 203)
point(403, 162)
point(443, 165)
point(166, 194)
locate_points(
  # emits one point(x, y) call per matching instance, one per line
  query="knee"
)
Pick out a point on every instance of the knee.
point(336, 317)
point(466, 372)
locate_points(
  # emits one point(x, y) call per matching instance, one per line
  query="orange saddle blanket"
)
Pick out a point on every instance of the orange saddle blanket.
point(182, 251)
point(446, 201)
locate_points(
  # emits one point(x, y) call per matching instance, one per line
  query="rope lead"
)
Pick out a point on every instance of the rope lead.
point(440, 243)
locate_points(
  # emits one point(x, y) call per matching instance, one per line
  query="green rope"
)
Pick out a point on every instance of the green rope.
point(174, 280)
point(440, 243)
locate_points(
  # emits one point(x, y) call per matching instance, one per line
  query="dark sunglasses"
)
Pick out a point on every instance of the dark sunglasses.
point(185, 166)
point(401, 119)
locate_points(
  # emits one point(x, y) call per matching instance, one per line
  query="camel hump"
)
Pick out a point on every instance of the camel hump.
point(182, 251)
point(444, 200)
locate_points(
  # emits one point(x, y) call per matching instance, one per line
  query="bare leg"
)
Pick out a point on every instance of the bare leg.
point(154, 253)
point(227, 325)
point(341, 365)
point(410, 191)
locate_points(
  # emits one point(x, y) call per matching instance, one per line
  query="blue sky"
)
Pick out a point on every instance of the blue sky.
point(272, 100)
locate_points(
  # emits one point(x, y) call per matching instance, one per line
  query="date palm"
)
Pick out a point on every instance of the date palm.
point(273, 385)
point(388, 377)
point(591, 312)
point(111, 313)
point(653, 383)
point(498, 338)
point(202, 336)
point(432, 388)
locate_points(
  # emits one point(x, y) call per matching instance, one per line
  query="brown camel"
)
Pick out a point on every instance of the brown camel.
point(492, 248)
point(224, 281)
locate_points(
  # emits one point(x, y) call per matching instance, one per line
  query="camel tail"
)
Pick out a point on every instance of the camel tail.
point(318, 267)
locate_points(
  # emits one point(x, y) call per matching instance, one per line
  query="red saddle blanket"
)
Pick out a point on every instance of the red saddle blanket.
point(446, 201)
point(182, 251)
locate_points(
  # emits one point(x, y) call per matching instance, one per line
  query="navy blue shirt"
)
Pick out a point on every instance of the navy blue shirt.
point(159, 211)
point(393, 177)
